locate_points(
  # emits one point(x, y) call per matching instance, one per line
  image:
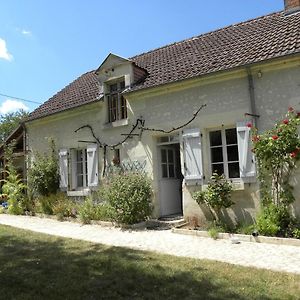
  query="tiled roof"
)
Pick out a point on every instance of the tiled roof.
point(245, 43)
point(249, 42)
point(83, 90)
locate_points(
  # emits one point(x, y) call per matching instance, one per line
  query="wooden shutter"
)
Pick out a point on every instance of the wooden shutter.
point(63, 168)
point(92, 164)
point(192, 154)
point(246, 157)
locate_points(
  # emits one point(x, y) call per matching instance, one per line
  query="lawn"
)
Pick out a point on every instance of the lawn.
point(38, 266)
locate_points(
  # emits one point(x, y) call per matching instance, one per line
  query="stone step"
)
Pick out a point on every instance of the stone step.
point(164, 224)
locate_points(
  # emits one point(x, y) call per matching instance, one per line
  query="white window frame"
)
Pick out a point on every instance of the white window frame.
point(84, 169)
point(168, 163)
point(120, 97)
point(224, 151)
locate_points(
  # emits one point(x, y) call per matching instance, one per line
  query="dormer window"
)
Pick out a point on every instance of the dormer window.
point(117, 108)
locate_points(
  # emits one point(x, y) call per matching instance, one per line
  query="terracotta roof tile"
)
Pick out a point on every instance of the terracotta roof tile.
point(249, 42)
point(83, 90)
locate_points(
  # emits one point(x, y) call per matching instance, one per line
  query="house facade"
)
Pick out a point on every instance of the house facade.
point(178, 113)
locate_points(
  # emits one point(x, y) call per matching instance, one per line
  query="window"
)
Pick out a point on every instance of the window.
point(81, 168)
point(224, 152)
point(117, 108)
point(168, 163)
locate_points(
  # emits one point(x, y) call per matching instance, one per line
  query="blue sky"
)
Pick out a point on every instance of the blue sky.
point(46, 44)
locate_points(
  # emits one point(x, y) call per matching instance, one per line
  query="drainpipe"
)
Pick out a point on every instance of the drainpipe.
point(253, 112)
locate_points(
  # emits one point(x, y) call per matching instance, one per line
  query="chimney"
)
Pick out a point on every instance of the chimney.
point(291, 6)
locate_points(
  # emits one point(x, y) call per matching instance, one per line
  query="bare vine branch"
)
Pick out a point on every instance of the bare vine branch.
point(176, 128)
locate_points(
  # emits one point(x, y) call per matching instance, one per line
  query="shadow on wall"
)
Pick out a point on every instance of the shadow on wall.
point(243, 211)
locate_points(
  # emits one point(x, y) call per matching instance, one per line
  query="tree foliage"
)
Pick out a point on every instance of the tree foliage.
point(9, 122)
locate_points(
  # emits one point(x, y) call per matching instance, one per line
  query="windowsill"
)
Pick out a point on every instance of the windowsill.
point(237, 184)
point(79, 193)
point(114, 124)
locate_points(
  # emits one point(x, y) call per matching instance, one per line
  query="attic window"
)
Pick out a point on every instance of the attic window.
point(117, 107)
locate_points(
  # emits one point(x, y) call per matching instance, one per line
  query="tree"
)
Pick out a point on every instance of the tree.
point(9, 122)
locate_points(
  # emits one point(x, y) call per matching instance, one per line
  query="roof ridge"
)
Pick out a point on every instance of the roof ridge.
point(206, 34)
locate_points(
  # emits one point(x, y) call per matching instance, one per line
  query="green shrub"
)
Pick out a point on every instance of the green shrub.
point(103, 212)
point(245, 228)
point(45, 204)
point(86, 211)
point(129, 195)
point(296, 233)
point(15, 189)
point(43, 174)
point(273, 220)
point(2, 210)
point(213, 232)
point(64, 207)
point(13, 186)
point(216, 196)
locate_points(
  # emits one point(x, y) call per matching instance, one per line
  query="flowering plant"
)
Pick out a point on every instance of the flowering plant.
point(277, 151)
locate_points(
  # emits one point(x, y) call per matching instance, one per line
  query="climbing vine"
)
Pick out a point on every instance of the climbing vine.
point(137, 130)
point(277, 151)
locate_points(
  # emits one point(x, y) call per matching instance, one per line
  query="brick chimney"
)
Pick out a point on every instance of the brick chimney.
point(291, 6)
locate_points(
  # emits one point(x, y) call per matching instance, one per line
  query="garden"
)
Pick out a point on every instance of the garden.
point(277, 152)
point(123, 197)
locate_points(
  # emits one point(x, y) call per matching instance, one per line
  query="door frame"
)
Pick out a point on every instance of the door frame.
point(177, 162)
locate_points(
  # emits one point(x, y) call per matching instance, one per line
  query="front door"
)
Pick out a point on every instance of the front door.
point(170, 180)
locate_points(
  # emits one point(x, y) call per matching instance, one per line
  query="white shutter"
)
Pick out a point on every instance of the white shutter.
point(192, 154)
point(92, 164)
point(246, 157)
point(73, 169)
point(63, 168)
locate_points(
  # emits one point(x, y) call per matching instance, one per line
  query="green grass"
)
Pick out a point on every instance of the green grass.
point(38, 266)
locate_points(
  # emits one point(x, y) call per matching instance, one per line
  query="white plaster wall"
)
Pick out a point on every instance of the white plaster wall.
point(227, 101)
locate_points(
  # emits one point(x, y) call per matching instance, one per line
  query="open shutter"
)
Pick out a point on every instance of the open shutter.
point(63, 168)
point(246, 157)
point(92, 164)
point(73, 169)
point(192, 154)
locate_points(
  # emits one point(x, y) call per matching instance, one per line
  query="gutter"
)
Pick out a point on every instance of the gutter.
point(253, 112)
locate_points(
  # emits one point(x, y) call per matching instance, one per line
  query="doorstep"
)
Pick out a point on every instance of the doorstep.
point(241, 237)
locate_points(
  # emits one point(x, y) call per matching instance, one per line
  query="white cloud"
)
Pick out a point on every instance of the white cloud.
point(26, 32)
point(12, 105)
point(4, 52)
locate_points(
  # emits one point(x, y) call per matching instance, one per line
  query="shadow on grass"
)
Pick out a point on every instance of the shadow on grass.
point(35, 266)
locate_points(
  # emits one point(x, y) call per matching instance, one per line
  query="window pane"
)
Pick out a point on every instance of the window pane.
point(171, 171)
point(79, 180)
point(164, 171)
point(163, 155)
point(232, 153)
point(218, 168)
point(231, 137)
point(215, 138)
point(217, 154)
point(79, 168)
point(113, 88)
point(170, 156)
point(122, 85)
point(234, 170)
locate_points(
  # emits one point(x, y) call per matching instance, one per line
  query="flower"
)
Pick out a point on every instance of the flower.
point(249, 125)
point(291, 109)
point(293, 154)
point(298, 114)
point(275, 137)
point(285, 121)
point(255, 138)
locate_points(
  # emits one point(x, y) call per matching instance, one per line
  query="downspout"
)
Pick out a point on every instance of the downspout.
point(253, 112)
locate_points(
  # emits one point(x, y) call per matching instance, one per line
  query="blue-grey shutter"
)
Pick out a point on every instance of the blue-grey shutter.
point(92, 165)
point(246, 157)
point(193, 169)
point(63, 168)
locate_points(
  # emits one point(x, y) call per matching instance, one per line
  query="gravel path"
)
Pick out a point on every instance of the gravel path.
point(267, 256)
